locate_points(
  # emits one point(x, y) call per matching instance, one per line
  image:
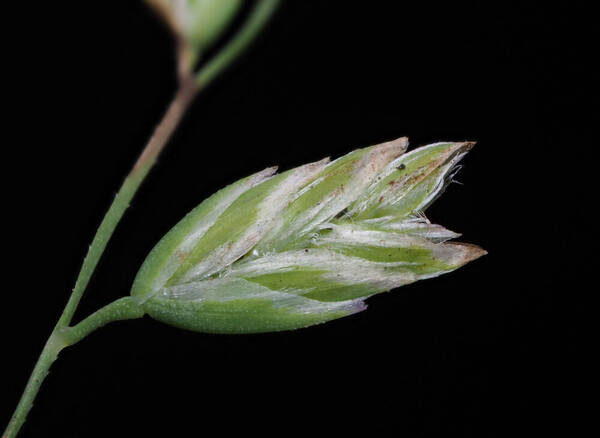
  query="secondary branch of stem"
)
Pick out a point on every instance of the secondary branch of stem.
point(119, 310)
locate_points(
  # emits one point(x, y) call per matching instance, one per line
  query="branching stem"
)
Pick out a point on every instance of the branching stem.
point(125, 308)
point(121, 309)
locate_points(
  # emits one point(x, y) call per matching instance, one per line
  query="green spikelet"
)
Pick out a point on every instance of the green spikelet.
point(278, 252)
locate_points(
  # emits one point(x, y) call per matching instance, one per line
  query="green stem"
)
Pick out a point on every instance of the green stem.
point(47, 357)
point(121, 309)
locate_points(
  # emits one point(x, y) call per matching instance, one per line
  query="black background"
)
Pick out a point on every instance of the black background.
point(496, 347)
